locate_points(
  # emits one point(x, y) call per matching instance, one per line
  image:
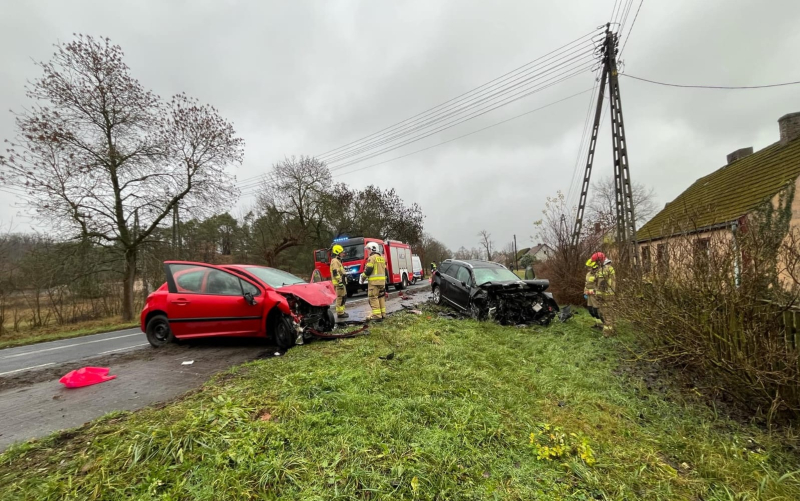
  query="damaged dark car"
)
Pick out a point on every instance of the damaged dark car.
point(489, 291)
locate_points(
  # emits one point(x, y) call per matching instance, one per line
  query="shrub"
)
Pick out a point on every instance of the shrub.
point(724, 305)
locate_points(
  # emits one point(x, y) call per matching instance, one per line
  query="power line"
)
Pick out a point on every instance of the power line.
point(465, 135)
point(500, 78)
point(633, 23)
point(560, 69)
point(460, 121)
point(726, 87)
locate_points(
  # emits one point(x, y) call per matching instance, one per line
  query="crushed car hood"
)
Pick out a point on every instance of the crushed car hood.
point(510, 286)
point(315, 294)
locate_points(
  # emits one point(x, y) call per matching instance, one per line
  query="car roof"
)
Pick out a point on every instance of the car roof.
point(475, 263)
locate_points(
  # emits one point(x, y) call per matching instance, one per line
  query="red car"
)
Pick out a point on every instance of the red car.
point(200, 300)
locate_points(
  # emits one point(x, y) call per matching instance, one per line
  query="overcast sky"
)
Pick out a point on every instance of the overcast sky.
point(304, 77)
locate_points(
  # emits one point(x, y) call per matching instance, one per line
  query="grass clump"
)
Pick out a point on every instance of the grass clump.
point(462, 410)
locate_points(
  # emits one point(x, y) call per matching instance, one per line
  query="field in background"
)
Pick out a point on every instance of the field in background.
point(424, 407)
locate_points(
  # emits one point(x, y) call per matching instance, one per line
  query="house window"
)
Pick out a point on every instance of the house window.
point(662, 259)
point(701, 252)
point(646, 259)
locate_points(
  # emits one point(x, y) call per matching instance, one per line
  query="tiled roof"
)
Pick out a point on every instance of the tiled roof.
point(728, 193)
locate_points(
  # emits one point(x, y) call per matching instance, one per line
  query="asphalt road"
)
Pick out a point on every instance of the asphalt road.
point(34, 404)
point(45, 355)
point(42, 355)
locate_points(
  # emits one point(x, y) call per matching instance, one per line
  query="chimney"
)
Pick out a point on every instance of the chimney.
point(789, 126)
point(740, 153)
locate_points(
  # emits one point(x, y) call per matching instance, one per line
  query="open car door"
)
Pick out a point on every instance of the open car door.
point(206, 300)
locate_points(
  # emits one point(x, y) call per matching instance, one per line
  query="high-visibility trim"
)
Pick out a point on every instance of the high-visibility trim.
point(376, 312)
point(375, 279)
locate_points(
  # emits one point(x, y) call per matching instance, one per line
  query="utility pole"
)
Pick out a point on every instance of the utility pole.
point(626, 219)
point(516, 263)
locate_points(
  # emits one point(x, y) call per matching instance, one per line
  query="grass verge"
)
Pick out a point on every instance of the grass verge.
point(423, 408)
point(22, 337)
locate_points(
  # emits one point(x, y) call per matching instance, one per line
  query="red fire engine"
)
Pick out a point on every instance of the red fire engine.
point(399, 267)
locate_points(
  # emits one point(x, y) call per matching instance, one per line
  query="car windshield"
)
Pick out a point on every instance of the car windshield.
point(483, 275)
point(274, 278)
point(353, 253)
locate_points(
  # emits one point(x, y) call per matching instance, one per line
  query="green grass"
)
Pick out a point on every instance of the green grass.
point(449, 416)
point(23, 337)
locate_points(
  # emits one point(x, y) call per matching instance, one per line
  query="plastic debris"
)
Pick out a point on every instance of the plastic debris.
point(86, 376)
point(277, 353)
point(187, 362)
point(415, 312)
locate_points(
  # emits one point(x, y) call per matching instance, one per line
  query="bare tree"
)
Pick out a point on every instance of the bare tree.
point(602, 205)
point(431, 250)
point(291, 206)
point(97, 152)
point(486, 243)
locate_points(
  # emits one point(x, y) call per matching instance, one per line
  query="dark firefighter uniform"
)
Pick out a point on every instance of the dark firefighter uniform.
point(605, 284)
point(375, 270)
point(337, 277)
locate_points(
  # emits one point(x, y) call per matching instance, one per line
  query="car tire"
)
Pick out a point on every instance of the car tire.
point(284, 333)
point(437, 295)
point(403, 283)
point(350, 292)
point(158, 331)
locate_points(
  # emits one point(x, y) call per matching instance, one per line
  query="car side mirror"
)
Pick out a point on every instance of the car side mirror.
point(437, 273)
point(248, 296)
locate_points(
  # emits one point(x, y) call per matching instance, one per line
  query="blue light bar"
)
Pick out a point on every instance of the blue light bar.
point(340, 239)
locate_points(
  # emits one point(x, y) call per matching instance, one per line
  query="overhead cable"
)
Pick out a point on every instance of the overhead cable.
point(456, 99)
point(465, 135)
point(723, 87)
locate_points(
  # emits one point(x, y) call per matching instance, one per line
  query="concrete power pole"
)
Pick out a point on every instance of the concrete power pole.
point(626, 220)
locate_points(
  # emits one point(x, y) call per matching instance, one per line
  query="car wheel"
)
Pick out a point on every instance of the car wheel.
point(350, 292)
point(405, 281)
point(284, 334)
point(437, 295)
point(158, 331)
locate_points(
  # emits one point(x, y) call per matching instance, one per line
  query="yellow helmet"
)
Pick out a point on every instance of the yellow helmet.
point(337, 249)
point(591, 264)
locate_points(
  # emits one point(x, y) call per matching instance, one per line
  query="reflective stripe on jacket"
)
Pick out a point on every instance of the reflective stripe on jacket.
point(589, 288)
point(337, 271)
point(606, 281)
point(375, 268)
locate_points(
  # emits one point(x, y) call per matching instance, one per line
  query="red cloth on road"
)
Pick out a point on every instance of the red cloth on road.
point(86, 376)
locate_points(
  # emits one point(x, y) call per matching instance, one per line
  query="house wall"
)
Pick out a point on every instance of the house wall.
point(786, 275)
point(679, 248)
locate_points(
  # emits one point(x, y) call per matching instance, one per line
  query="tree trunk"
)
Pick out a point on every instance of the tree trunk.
point(127, 285)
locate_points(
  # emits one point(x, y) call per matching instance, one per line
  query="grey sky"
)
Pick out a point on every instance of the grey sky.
point(303, 77)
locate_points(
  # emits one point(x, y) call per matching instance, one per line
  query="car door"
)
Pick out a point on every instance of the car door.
point(204, 300)
point(450, 290)
point(461, 287)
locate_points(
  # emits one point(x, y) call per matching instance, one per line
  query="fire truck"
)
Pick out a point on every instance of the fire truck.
point(399, 267)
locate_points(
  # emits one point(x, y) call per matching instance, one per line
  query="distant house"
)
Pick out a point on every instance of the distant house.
point(717, 204)
point(540, 252)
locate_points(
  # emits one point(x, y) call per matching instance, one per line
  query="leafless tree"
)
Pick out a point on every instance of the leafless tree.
point(431, 250)
point(97, 152)
point(602, 204)
point(486, 243)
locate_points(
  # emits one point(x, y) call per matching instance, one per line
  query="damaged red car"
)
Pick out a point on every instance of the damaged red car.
point(200, 300)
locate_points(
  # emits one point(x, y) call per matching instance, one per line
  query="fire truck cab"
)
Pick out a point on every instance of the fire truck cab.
point(399, 267)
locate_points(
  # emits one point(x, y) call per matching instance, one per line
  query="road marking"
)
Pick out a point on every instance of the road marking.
point(124, 348)
point(26, 369)
point(69, 346)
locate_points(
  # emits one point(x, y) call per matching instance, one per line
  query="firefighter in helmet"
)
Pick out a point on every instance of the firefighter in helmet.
point(589, 293)
point(433, 267)
point(375, 274)
point(605, 286)
point(337, 277)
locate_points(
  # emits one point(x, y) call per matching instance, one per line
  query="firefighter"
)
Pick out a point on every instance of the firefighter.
point(433, 267)
point(605, 285)
point(338, 279)
point(589, 293)
point(375, 274)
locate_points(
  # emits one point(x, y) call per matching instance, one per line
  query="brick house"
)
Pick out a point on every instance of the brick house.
point(715, 205)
